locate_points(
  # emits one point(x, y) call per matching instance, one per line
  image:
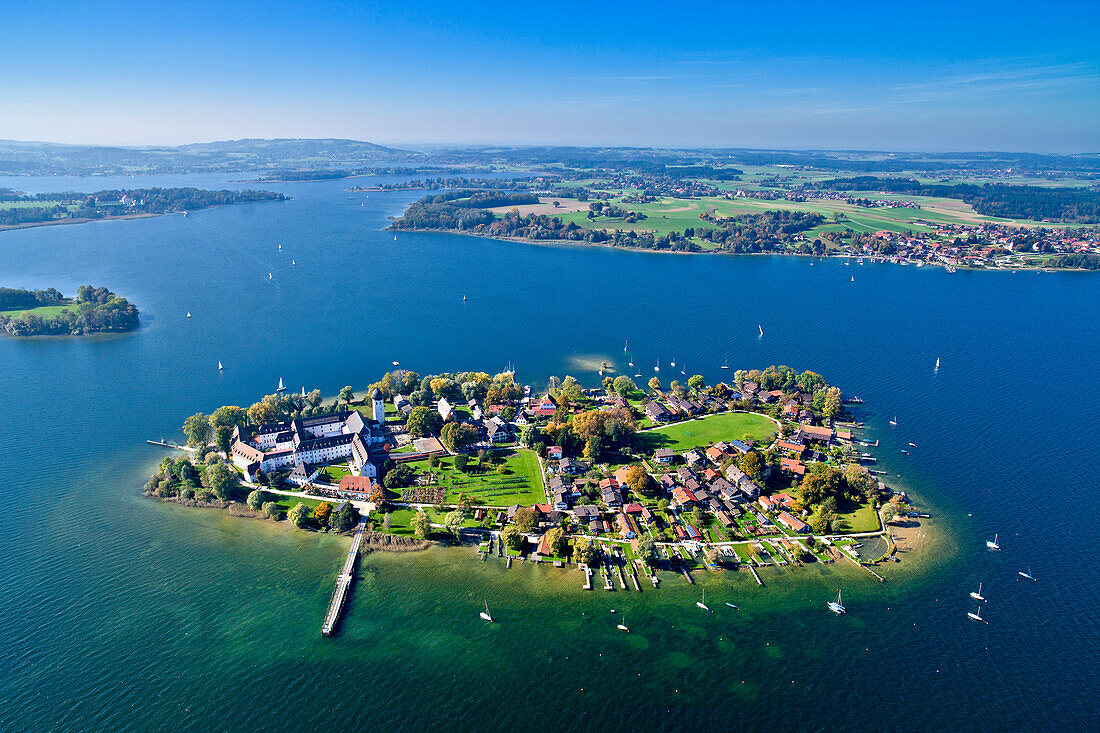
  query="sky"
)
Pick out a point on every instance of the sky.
point(924, 76)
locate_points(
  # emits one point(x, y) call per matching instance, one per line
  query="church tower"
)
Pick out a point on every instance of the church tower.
point(379, 406)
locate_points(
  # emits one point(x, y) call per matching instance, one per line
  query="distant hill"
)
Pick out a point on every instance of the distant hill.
point(40, 158)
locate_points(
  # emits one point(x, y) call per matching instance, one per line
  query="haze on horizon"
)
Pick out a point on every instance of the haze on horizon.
point(928, 76)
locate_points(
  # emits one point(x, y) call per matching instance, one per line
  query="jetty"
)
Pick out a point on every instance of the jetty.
point(587, 576)
point(344, 581)
point(174, 446)
point(758, 580)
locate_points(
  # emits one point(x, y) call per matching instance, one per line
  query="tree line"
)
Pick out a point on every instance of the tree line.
point(96, 310)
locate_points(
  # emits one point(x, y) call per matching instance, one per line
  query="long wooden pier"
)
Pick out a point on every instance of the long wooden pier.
point(343, 582)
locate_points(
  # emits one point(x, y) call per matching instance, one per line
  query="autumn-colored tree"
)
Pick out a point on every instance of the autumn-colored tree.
point(752, 464)
point(524, 519)
point(639, 481)
point(322, 512)
point(696, 382)
point(421, 526)
point(655, 384)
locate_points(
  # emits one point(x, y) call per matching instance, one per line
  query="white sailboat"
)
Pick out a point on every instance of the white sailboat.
point(853, 279)
point(622, 626)
point(269, 276)
point(463, 298)
point(977, 615)
point(672, 363)
point(836, 606)
point(219, 366)
point(735, 608)
point(992, 544)
point(894, 422)
point(761, 329)
point(303, 391)
point(657, 368)
point(977, 594)
point(293, 263)
point(188, 314)
point(937, 363)
point(280, 388)
point(396, 363)
point(1027, 575)
point(280, 248)
point(626, 346)
point(485, 614)
point(703, 603)
point(725, 364)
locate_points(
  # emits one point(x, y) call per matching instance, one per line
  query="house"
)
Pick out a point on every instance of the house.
point(657, 412)
point(784, 500)
point(725, 518)
point(355, 487)
point(626, 527)
point(766, 503)
point(683, 498)
point(666, 482)
point(609, 493)
point(793, 465)
point(561, 500)
point(545, 407)
point(632, 509)
point(793, 523)
point(543, 547)
point(694, 458)
point(444, 408)
point(739, 446)
point(571, 466)
point(555, 452)
point(795, 447)
point(339, 436)
point(684, 473)
point(818, 433)
point(664, 455)
point(522, 418)
point(586, 512)
point(715, 455)
point(498, 430)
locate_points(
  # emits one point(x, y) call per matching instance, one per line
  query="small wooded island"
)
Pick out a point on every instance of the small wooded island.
point(49, 313)
point(18, 210)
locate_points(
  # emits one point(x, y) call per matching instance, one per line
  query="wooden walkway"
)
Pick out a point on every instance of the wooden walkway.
point(343, 582)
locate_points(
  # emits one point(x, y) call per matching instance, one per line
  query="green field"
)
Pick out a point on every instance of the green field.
point(706, 430)
point(521, 483)
point(44, 311)
point(862, 518)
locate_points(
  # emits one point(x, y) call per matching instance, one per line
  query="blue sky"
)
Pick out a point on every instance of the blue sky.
point(887, 75)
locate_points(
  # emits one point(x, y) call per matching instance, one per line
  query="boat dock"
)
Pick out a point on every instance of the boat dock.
point(758, 580)
point(587, 577)
point(343, 582)
point(165, 444)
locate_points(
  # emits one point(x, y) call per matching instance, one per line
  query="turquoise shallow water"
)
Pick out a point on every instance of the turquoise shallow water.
point(125, 614)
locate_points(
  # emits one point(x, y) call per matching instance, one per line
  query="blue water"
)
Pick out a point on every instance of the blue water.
point(126, 614)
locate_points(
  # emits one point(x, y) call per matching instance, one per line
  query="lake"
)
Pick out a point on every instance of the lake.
point(125, 614)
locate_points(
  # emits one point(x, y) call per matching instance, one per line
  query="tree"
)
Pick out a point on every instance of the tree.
point(387, 522)
point(197, 429)
point(529, 435)
point(314, 397)
point(608, 384)
point(298, 515)
point(377, 495)
point(699, 517)
point(345, 395)
point(461, 461)
point(655, 384)
point(639, 481)
point(696, 382)
point(752, 464)
point(555, 537)
point(819, 524)
point(223, 438)
point(323, 513)
point(524, 519)
point(422, 527)
point(647, 550)
point(511, 537)
point(228, 416)
point(889, 513)
point(256, 500)
point(398, 476)
point(263, 412)
point(344, 519)
point(423, 421)
point(832, 404)
point(271, 509)
point(453, 522)
point(583, 552)
point(623, 385)
point(662, 505)
point(457, 436)
point(220, 479)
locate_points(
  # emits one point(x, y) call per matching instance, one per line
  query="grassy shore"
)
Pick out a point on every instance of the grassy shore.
point(44, 311)
point(706, 430)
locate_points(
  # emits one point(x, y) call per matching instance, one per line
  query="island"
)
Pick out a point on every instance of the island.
point(49, 313)
point(623, 479)
point(20, 210)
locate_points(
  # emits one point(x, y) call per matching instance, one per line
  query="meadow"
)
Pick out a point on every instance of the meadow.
point(703, 431)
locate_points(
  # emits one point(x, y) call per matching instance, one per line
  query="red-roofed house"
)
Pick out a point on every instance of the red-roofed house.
point(793, 523)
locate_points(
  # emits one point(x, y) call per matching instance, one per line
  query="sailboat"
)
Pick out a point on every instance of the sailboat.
point(463, 298)
point(977, 594)
point(1027, 575)
point(281, 388)
point(188, 314)
point(396, 363)
point(657, 368)
point(836, 606)
point(630, 363)
point(672, 363)
point(219, 366)
point(725, 364)
point(853, 279)
point(703, 603)
point(622, 626)
point(894, 422)
point(977, 615)
point(626, 346)
point(280, 248)
point(937, 362)
point(992, 544)
point(913, 444)
point(293, 263)
point(269, 276)
point(761, 329)
point(395, 237)
point(735, 608)
point(303, 391)
point(485, 614)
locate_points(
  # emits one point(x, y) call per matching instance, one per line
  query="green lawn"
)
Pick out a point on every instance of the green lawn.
point(333, 474)
point(710, 429)
point(45, 311)
point(521, 483)
point(862, 518)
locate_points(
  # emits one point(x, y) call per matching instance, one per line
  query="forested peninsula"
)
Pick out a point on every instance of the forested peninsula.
point(18, 209)
point(49, 313)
